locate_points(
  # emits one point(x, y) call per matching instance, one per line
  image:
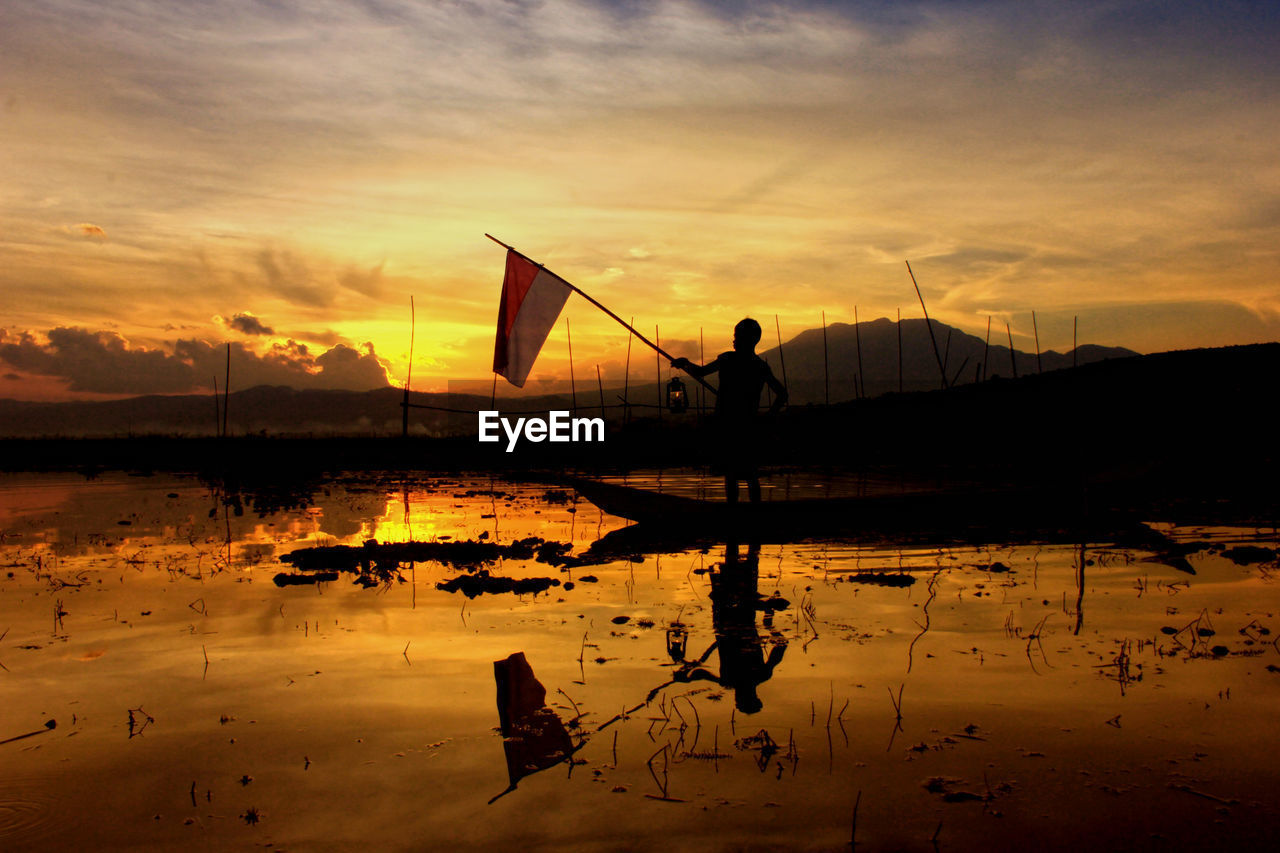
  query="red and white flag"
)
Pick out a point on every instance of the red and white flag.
point(531, 302)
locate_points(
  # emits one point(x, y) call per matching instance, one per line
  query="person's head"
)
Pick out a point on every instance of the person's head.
point(746, 335)
point(746, 699)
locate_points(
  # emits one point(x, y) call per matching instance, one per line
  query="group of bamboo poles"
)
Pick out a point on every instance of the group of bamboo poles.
point(980, 370)
point(221, 409)
point(860, 385)
point(627, 405)
point(699, 402)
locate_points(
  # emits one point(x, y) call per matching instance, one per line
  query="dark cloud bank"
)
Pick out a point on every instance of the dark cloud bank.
point(103, 362)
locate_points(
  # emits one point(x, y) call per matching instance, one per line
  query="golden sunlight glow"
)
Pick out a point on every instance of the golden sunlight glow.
point(751, 162)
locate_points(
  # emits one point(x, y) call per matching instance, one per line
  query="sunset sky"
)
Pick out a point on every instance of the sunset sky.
point(285, 175)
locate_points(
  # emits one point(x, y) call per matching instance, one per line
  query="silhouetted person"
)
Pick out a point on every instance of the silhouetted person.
point(744, 662)
point(735, 599)
point(743, 375)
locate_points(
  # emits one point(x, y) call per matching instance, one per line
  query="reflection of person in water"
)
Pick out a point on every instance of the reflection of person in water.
point(743, 375)
point(745, 664)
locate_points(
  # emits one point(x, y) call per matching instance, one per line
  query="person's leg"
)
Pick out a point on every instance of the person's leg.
point(753, 489)
point(730, 488)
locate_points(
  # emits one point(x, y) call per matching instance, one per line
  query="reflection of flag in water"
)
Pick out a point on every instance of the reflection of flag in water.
point(531, 302)
point(533, 736)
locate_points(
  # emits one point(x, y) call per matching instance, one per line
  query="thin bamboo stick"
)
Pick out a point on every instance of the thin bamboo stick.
point(1012, 361)
point(626, 380)
point(857, 337)
point(600, 385)
point(986, 348)
point(1036, 330)
point(702, 359)
point(573, 387)
point(899, 350)
point(781, 360)
point(658, 361)
point(929, 325)
point(226, 393)
point(408, 379)
point(826, 377)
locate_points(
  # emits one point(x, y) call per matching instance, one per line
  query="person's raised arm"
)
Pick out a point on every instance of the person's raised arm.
point(695, 370)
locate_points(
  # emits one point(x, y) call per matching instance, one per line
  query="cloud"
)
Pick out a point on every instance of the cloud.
point(98, 361)
point(86, 230)
point(766, 156)
point(344, 367)
point(104, 362)
point(249, 325)
point(367, 282)
point(684, 348)
point(291, 364)
point(327, 337)
point(288, 276)
point(291, 349)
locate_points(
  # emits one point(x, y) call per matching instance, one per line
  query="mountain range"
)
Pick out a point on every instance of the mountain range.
point(860, 361)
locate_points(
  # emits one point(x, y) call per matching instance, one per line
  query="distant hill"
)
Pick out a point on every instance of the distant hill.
point(1187, 427)
point(966, 358)
point(269, 410)
point(274, 409)
point(287, 411)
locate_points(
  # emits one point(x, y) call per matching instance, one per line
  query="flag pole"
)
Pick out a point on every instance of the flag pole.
point(585, 296)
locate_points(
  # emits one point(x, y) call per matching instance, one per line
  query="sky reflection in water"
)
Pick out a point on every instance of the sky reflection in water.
point(717, 696)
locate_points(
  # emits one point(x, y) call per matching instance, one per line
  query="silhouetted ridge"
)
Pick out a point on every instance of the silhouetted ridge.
point(273, 410)
point(962, 355)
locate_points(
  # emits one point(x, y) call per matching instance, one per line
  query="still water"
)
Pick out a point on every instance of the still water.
point(160, 689)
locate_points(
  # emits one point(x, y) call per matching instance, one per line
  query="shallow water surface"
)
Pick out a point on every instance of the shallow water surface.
point(166, 683)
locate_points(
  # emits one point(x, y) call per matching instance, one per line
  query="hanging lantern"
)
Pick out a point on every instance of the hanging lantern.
point(677, 396)
point(677, 643)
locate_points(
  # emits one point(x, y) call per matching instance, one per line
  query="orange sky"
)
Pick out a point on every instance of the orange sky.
point(285, 176)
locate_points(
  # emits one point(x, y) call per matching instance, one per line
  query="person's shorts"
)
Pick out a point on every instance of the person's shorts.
point(734, 448)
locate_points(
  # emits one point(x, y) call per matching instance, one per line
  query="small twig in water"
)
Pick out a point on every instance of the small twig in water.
point(577, 714)
point(138, 721)
point(697, 721)
point(897, 709)
point(853, 832)
point(1188, 789)
point(661, 783)
point(897, 701)
point(1034, 637)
